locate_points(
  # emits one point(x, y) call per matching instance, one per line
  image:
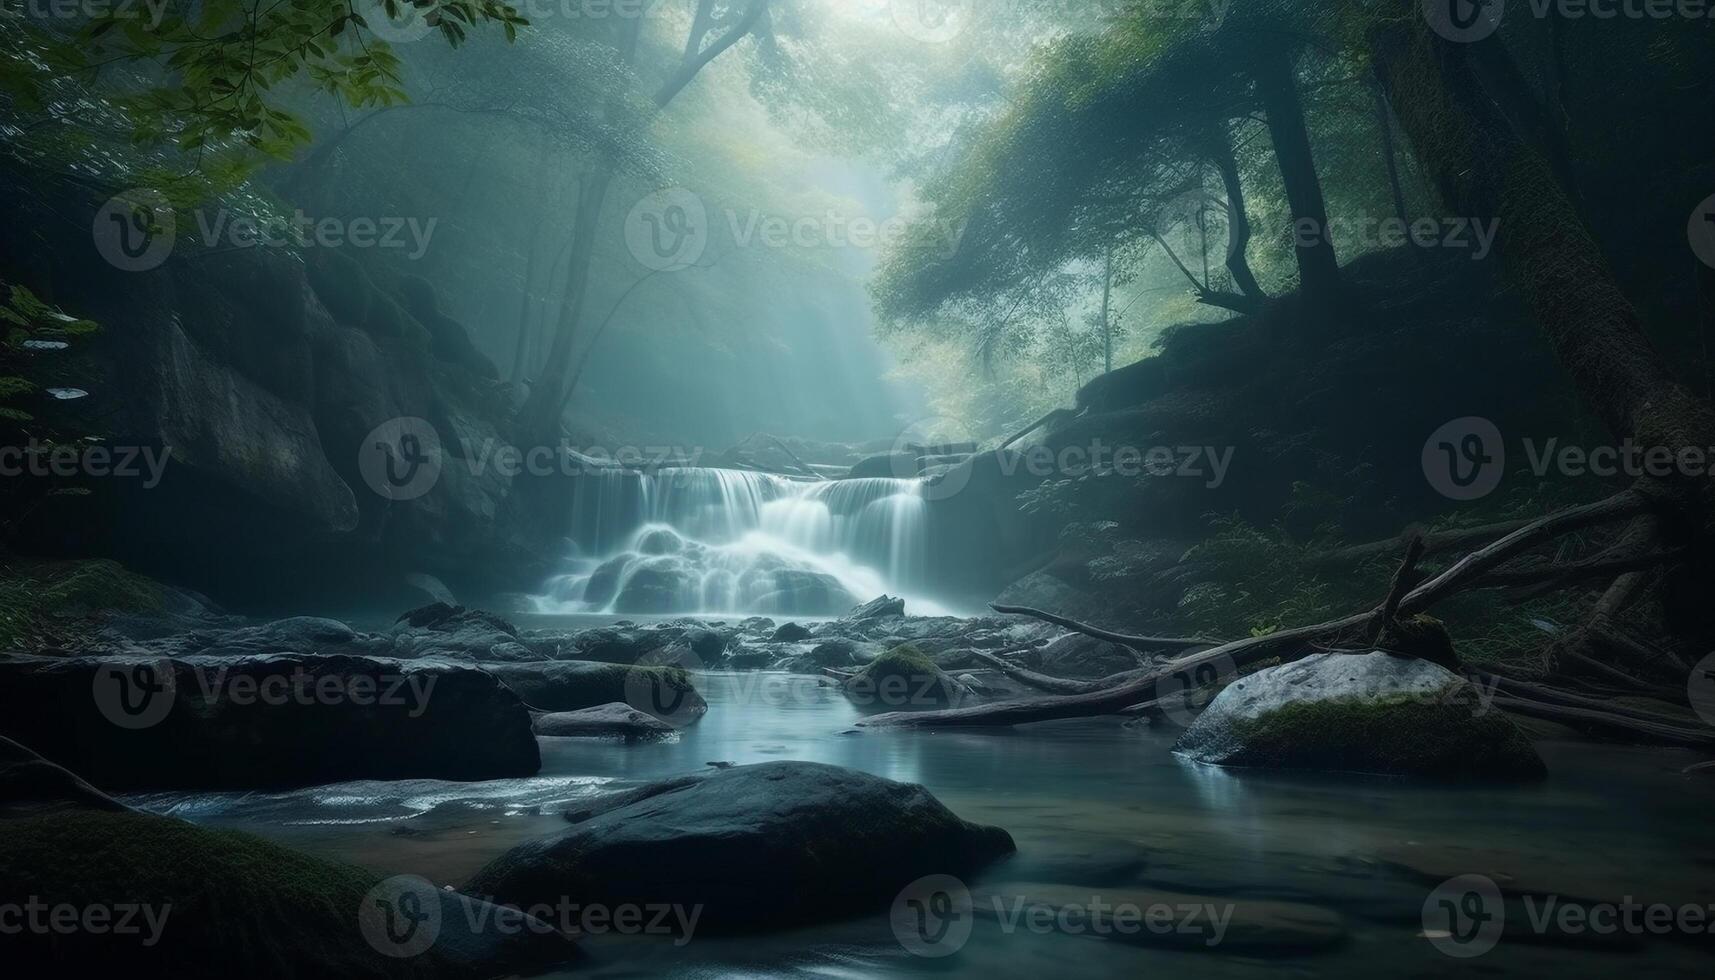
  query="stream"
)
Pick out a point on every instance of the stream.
point(1080, 794)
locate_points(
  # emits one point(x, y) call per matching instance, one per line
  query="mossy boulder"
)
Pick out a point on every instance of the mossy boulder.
point(904, 679)
point(769, 846)
point(198, 902)
point(1361, 712)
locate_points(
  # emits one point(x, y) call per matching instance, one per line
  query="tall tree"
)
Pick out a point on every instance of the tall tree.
point(715, 27)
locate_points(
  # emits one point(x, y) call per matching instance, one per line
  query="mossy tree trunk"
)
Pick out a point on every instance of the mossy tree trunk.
point(1485, 170)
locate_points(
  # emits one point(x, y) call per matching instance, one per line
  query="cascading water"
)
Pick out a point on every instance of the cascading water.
point(736, 542)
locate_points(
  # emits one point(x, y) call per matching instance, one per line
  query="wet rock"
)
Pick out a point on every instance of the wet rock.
point(749, 658)
point(572, 685)
point(790, 633)
point(603, 583)
point(1077, 655)
point(880, 607)
point(661, 541)
point(266, 721)
point(655, 585)
point(843, 653)
point(1373, 712)
point(758, 847)
point(619, 720)
point(887, 466)
point(904, 679)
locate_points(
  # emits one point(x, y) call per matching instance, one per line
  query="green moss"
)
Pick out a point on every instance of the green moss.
point(1400, 736)
point(906, 660)
point(902, 679)
point(33, 595)
point(234, 903)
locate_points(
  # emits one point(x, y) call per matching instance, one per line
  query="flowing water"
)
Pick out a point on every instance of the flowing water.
point(708, 541)
point(1609, 820)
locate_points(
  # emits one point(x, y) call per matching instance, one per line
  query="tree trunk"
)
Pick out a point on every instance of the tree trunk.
point(1318, 269)
point(540, 416)
point(1107, 304)
point(1390, 155)
point(532, 266)
point(1484, 169)
point(1238, 215)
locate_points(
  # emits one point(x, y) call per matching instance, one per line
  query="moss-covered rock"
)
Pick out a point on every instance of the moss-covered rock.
point(1371, 713)
point(904, 679)
point(200, 902)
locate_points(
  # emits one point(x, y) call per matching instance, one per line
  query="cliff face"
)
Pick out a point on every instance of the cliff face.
point(263, 375)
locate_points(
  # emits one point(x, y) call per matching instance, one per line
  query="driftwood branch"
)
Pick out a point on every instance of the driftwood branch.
point(1403, 579)
point(1144, 644)
point(1246, 652)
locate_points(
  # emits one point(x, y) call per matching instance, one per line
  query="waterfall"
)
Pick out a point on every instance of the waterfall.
point(736, 542)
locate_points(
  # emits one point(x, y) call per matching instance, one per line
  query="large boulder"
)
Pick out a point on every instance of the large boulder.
point(183, 899)
point(662, 584)
point(1360, 712)
point(758, 847)
point(264, 721)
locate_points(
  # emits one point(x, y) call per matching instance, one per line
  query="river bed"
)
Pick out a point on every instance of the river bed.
point(1097, 794)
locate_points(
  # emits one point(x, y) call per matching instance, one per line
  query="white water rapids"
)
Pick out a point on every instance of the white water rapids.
point(708, 541)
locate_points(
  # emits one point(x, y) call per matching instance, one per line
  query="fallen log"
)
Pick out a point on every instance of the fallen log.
point(1143, 644)
point(1239, 654)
